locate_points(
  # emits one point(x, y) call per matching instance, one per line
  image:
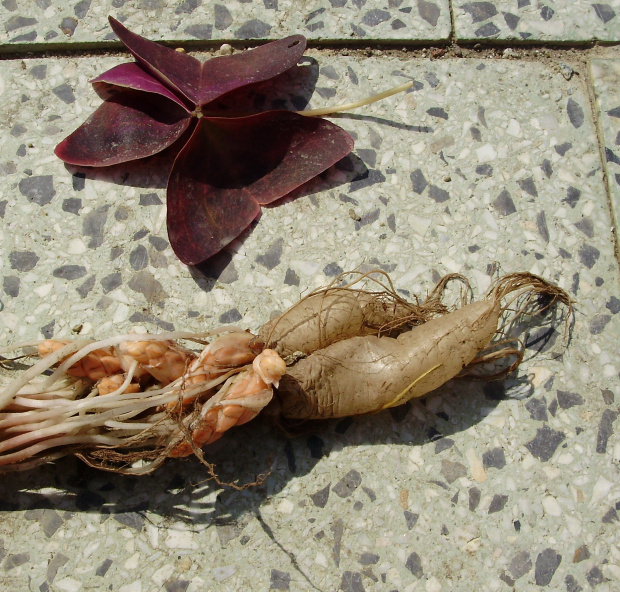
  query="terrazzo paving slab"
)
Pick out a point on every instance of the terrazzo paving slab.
point(30, 24)
point(485, 167)
point(606, 78)
point(534, 21)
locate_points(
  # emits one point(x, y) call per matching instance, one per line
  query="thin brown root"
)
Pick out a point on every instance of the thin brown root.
point(492, 355)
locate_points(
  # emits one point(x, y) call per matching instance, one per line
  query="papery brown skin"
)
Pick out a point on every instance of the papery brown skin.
point(228, 166)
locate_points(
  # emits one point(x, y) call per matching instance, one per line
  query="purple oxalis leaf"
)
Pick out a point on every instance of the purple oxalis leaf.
point(229, 166)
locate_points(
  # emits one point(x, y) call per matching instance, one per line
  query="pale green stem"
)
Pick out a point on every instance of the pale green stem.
point(356, 104)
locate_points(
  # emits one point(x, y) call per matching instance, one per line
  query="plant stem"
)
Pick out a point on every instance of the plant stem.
point(356, 104)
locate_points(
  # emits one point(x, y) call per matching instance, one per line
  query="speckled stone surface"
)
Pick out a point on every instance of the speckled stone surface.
point(53, 22)
point(485, 167)
point(606, 78)
point(535, 21)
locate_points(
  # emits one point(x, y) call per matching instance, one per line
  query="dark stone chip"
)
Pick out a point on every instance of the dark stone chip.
point(414, 565)
point(566, 399)
point(610, 156)
point(93, 224)
point(16, 560)
point(179, 585)
point(598, 323)
point(23, 260)
point(332, 270)
point(38, 189)
point(547, 168)
point(319, 499)
point(86, 287)
point(572, 196)
point(369, 558)
point(140, 317)
point(159, 244)
point(130, 519)
point(367, 218)
point(512, 20)
point(65, 93)
point(575, 113)
point(81, 8)
point(68, 25)
point(520, 564)
point(315, 444)
point(506, 578)
point(411, 519)
point(586, 226)
point(452, 471)
point(21, 151)
point(604, 12)
point(504, 204)
point(553, 407)
point(19, 22)
point(57, 561)
point(188, 6)
point(438, 194)
point(48, 330)
point(605, 430)
point(528, 186)
point(253, 29)
point(368, 155)
point(271, 4)
point(479, 11)
point(562, 149)
point(18, 130)
point(545, 443)
point(50, 521)
point(69, 272)
point(230, 316)
point(271, 257)
point(546, 13)
point(608, 396)
point(581, 554)
point(487, 30)
point(443, 444)
point(589, 255)
point(139, 258)
point(610, 516)
point(366, 179)
point(111, 282)
point(352, 75)
point(484, 169)
point(102, 570)
point(375, 17)
point(348, 484)
point(474, 498)
point(541, 224)
point(291, 278)
point(280, 580)
point(10, 284)
point(150, 199)
point(418, 181)
point(613, 306)
point(437, 112)
point(497, 503)
point(571, 584)
point(351, 582)
point(432, 79)
point(429, 11)
point(494, 458)
point(546, 564)
point(223, 18)
point(391, 222)
point(202, 32)
point(24, 38)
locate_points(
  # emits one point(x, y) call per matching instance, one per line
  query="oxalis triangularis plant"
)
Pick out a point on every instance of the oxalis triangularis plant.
point(228, 163)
